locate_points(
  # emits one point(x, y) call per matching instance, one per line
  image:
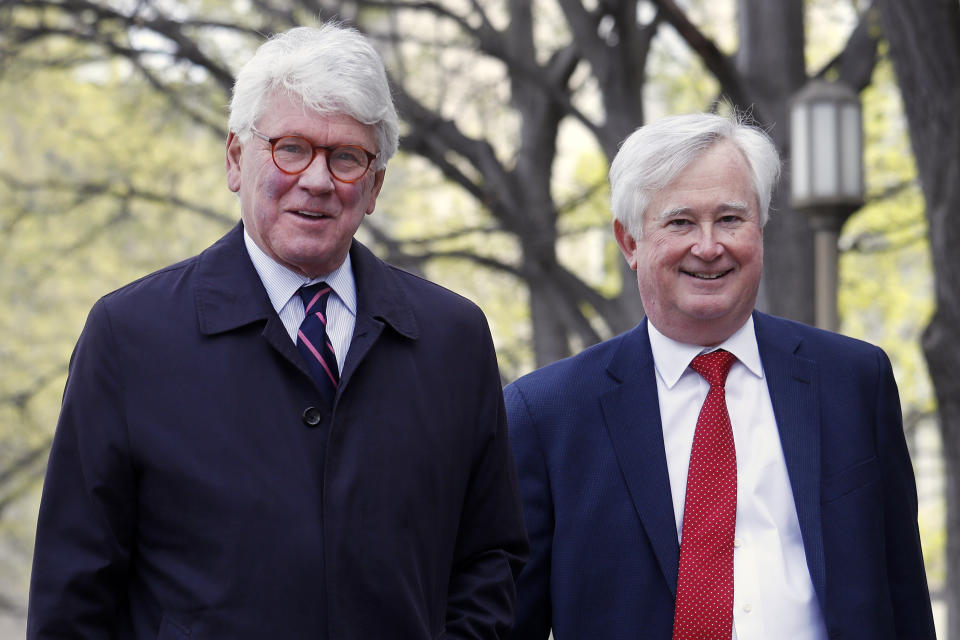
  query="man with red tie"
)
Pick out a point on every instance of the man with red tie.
point(715, 472)
point(284, 437)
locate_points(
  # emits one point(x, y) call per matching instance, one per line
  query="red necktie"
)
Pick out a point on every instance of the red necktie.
point(704, 608)
point(313, 342)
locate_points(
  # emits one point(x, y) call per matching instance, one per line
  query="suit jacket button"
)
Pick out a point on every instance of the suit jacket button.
point(311, 416)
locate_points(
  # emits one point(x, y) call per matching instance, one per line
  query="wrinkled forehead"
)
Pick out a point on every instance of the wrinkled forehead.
point(716, 182)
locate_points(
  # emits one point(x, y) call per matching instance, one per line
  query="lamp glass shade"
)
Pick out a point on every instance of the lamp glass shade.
point(800, 152)
point(850, 145)
point(825, 156)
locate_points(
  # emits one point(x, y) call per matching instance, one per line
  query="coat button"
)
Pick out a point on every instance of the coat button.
point(311, 416)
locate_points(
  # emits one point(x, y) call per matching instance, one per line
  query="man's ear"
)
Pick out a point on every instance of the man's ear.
point(233, 154)
point(628, 244)
point(375, 189)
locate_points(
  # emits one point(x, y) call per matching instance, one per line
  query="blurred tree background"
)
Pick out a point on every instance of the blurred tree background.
point(111, 165)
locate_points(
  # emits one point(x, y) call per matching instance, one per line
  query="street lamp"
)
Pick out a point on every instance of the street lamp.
point(826, 159)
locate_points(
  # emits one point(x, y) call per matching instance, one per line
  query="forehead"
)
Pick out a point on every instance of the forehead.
point(719, 177)
point(284, 114)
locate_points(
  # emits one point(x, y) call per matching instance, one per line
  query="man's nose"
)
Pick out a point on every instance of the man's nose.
point(317, 176)
point(707, 245)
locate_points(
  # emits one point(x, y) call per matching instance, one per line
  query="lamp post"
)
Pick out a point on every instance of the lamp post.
point(826, 159)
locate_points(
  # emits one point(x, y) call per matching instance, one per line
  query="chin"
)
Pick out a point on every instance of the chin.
point(709, 312)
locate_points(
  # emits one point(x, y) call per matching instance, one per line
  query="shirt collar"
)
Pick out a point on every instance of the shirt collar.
point(672, 358)
point(282, 284)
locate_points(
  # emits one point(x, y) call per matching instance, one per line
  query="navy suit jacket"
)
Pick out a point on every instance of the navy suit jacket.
point(588, 444)
point(197, 488)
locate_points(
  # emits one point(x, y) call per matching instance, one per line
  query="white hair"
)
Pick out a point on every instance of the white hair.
point(653, 155)
point(332, 68)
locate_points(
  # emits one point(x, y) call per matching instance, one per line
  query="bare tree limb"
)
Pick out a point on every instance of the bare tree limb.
point(719, 64)
point(85, 189)
point(854, 65)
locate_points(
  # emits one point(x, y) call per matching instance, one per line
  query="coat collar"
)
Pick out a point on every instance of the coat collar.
point(229, 293)
point(380, 292)
point(380, 303)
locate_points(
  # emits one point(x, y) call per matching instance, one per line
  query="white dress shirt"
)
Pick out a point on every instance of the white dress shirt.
point(282, 285)
point(773, 593)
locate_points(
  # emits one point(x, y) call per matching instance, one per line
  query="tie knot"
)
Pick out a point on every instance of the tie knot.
point(714, 366)
point(313, 295)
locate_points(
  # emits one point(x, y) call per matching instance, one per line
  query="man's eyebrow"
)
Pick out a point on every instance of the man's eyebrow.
point(674, 212)
point(735, 205)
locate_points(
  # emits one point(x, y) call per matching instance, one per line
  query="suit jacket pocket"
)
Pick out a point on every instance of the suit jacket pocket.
point(846, 481)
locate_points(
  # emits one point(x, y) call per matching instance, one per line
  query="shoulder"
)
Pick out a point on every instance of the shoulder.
point(586, 374)
point(154, 301)
point(834, 352)
point(426, 294)
point(222, 269)
point(129, 319)
point(776, 328)
point(412, 304)
point(158, 284)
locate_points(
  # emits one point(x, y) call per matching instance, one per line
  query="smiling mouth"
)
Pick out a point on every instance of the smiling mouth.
point(310, 214)
point(707, 276)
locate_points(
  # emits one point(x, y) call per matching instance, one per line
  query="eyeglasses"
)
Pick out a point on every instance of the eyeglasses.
point(293, 154)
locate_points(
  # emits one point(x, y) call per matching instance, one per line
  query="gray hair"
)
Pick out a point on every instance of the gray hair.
point(653, 155)
point(332, 68)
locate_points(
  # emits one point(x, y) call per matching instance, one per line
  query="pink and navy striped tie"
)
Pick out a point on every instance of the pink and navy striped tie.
point(313, 342)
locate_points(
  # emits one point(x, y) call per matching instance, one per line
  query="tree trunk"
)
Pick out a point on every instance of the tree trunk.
point(771, 64)
point(924, 37)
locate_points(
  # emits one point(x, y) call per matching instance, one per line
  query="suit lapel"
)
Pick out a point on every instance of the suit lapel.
point(792, 382)
point(632, 416)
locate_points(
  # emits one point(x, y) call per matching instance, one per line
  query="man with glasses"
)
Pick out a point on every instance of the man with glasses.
point(284, 436)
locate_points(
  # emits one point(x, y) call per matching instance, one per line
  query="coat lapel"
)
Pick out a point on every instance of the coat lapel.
point(381, 302)
point(230, 295)
point(792, 382)
point(228, 292)
point(632, 416)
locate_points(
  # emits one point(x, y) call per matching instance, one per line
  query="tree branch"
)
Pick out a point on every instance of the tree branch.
point(719, 64)
point(855, 64)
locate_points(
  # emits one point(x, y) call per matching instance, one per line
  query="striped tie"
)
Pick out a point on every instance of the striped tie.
point(312, 339)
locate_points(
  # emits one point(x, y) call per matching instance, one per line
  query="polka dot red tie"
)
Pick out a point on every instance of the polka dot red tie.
point(704, 608)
